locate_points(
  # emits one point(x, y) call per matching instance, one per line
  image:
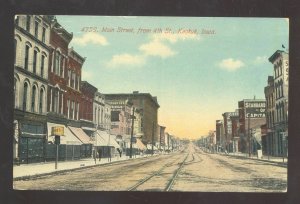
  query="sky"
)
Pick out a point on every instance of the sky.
point(197, 67)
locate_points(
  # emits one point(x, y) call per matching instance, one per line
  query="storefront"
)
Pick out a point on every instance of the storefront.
point(86, 147)
point(69, 147)
point(32, 137)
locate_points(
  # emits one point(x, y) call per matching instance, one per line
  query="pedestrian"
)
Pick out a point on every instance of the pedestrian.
point(99, 154)
point(120, 152)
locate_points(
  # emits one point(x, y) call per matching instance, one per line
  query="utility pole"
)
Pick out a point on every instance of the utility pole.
point(131, 137)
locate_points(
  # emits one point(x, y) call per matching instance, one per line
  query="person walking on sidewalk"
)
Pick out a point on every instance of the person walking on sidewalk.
point(99, 154)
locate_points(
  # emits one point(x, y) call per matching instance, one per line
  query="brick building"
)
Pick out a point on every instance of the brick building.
point(161, 135)
point(276, 94)
point(220, 140)
point(59, 42)
point(228, 140)
point(235, 133)
point(86, 104)
point(251, 114)
point(73, 94)
point(147, 105)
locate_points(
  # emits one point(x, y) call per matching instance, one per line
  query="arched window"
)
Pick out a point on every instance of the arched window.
point(41, 100)
point(26, 57)
point(25, 96)
point(33, 98)
point(42, 65)
point(34, 61)
point(57, 63)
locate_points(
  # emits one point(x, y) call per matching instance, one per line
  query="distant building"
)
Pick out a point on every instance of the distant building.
point(235, 133)
point(228, 140)
point(147, 105)
point(251, 114)
point(161, 135)
point(220, 134)
point(121, 111)
point(277, 121)
point(86, 106)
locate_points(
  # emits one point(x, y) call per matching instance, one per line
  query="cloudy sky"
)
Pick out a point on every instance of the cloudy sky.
point(198, 68)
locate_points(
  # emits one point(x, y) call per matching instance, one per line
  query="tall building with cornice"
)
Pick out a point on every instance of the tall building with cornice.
point(32, 53)
point(147, 105)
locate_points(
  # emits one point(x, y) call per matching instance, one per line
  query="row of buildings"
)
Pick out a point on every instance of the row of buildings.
point(50, 93)
point(257, 124)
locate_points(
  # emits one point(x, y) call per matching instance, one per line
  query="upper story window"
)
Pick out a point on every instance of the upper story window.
point(25, 96)
point(17, 20)
point(57, 63)
point(28, 23)
point(34, 61)
point(69, 77)
point(33, 99)
point(26, 57)
point(36, 29)
point(42, 65)
point(41, 100)
point(43, 35)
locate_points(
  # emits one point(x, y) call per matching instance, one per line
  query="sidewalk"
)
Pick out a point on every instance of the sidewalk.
point(266, 158)
point(25, 171)
point(278, 160)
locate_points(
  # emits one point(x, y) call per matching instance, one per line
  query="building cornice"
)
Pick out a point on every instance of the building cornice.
point(30, 74)
point(28, 34)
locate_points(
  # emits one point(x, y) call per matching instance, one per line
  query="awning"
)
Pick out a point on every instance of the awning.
point(69, 137)
point(99, 141)
point(89, 129)
point(109, 139)
point(81, 135)
point(140, 144)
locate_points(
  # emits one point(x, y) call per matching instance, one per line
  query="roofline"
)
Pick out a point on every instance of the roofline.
point(275, 55)
point(135, 94)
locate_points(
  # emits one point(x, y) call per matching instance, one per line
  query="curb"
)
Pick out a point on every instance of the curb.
point(35, 176)
point(263, 160)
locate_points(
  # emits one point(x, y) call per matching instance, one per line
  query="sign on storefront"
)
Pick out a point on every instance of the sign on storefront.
point(57, 131)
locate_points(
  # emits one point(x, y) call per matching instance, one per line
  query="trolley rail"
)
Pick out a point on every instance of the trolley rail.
point(170, 183)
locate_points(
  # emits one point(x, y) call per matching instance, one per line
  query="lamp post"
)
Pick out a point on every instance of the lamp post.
point(132, 126)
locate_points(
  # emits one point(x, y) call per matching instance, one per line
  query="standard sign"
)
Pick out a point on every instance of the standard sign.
point(57, 131)
point(255, 109)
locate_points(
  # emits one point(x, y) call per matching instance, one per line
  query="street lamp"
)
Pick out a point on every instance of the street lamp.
point(132, 126)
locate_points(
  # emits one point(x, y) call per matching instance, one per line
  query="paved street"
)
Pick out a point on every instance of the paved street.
point(189, 170)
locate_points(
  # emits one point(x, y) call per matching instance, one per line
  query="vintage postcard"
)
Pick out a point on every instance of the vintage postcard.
point(115, 103)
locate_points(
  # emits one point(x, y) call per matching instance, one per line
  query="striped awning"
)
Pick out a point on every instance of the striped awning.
point(81, 135)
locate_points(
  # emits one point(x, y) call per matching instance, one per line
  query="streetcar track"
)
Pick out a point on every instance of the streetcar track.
point(156, 173)
point(171, 183)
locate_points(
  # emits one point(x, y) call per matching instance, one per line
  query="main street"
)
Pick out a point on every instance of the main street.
point(188, 170)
